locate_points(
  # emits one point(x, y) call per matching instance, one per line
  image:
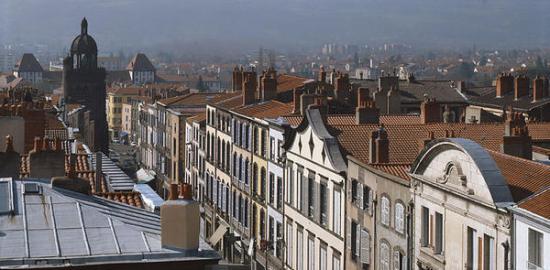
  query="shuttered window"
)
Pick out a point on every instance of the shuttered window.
point(399, 218)
point(360, 195)
point(289, 245)
point(336, 215)
point(384, 256)
point(365, 246)
point(385, 209)
point(354, 240)
point(323, 257)
point(424, 236)
point(323, 201)
point(438, 233)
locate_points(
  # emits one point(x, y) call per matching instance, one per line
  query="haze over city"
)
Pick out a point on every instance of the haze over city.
point(286, 24)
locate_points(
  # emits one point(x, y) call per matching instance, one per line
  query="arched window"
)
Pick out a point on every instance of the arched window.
point(384, 256)
point(399, 217)
point(240, 168)
point(385, 210)
point(263, 179)
point(246, 166)
point(399, 260)
point(255, 178)
point(235, 165)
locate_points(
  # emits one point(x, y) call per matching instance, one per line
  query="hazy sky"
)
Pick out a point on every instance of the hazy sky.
point(281, 23)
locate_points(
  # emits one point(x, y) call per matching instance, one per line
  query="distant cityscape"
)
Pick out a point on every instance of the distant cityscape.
point(346, 156)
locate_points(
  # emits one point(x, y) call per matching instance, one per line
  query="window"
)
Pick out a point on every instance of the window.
point(299, 250)
point(323, 200)
point(385, 210)
point(354, 240)
point(535, 249)
point(336, 211)
point(488, 253)
point(399, 261)
point(353, 190)
point(438, 233)
point(384, 256)
point(311, 252)
point(290, 195)
point(336, 261)
point(399, 218)
point(323, 257)
point(365, 247)
point(311, 194)
point(366, 197)
point(289, 243)
point(471, 249)
point(263, 176)
point(279, 235)
point(424, 234)
point(279, 192)
point(271, 188)
point(271, 232)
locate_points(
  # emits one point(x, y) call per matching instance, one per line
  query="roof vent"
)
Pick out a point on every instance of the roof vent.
point(6, 196)
point(31, 189)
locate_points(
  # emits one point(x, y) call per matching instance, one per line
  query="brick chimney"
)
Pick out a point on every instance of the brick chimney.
point(430, 111)
point(505, 84)
point(269, 85)
point(322, 74)
point(366, 111)
point(423, 142)
point(296, 98)
point(521, 86)
point(379, 146)
point(249, 87)
point(516, 140)
point(342, 87)
point(237, 79)
point(540, 88)
point(180, 223)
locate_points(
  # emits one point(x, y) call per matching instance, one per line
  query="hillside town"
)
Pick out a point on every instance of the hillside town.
point(353, 157)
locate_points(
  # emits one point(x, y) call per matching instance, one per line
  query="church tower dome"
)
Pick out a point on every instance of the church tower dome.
point(84, 43)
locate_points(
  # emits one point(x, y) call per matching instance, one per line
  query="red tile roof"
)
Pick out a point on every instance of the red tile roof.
point(268, 109)
point(524, 177)
point(538, 204)
point(287, 82)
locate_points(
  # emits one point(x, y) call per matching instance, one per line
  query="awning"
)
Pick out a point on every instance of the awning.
point(144, 176)
point(218, 234)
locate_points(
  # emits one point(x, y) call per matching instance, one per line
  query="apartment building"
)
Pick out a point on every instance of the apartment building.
point(116, 97)
point(141, 70)
point(314, 206)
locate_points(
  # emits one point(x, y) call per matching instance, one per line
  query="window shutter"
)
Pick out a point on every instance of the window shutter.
point(396, 260)
point(348, 232)
point(360, 195)
point(365, 247)
point(357, 240)
point(479, 253)
point(317, 202)
point(304, 194)
point(371, 194)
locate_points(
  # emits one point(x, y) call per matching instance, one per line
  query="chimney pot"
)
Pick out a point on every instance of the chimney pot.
point(173, 192)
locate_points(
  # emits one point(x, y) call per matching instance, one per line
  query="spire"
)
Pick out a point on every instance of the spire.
point(84, 27)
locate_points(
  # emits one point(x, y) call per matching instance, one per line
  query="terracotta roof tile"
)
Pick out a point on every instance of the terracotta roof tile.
point(524, 177)
point(268, 109)
point(538, 204)
point(287, 82)
point(399, 170)
point(136, 91)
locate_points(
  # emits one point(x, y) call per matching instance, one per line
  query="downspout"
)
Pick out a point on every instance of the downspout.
point(374, 246)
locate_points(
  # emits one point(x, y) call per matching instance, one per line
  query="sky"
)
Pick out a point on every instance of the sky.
point(280, 23)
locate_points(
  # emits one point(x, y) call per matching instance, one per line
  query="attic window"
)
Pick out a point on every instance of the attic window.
point(31, 189)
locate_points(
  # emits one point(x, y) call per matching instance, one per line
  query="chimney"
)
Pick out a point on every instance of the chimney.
point(9, 144)
point(505, 84)
point(305, 101)
point(322, 74)
point(521, 86)
point(516, 140)
point(237, 79)
point(37, 144)
point(361, 75)
point(57, 146)
point(430, 111)
point(249, 88)
point(269, 85)
point(540, 88)
point(342, 87)
point(296, 93)
point(72, 167)
point(179, 221)
point(366, 111)
point(379, 146)
point(186, 191)
point(423, 142)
